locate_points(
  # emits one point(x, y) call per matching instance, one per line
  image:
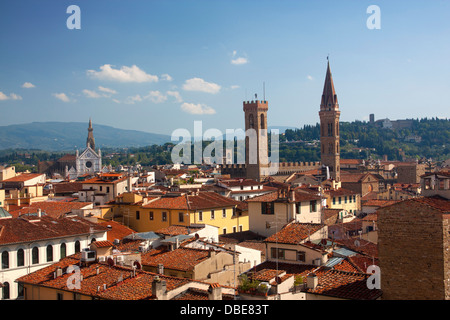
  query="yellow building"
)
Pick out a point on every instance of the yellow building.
point(150, 213)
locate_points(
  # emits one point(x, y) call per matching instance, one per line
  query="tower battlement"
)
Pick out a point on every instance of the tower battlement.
point(256, 104)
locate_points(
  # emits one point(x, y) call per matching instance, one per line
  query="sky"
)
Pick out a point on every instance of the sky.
point(158, 66)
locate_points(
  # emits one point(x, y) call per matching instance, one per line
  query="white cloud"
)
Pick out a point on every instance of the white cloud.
point(28, 85)
point(124, 74)
point(239, 60)
point(176, 95)
point(166, 77)
point(12, 96)
point(234, 87)
point(106, 93)
point(309, 77)
point(91, 94)
point(133, 99)
point(61, 96)
point(197, 108)
point(198, 84)
point(107, 90)
point(156, 97)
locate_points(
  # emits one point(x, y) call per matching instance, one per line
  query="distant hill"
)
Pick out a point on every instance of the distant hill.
point(62, 136)
point(282, 129)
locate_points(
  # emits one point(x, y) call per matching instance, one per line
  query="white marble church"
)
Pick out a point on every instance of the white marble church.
point(89, 161)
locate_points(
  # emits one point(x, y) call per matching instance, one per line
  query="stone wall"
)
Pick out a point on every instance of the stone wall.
point(412, 255)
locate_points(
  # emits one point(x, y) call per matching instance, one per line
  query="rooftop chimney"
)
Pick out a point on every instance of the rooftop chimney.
point(214, 292)
point(312, 281)
point(159, 288)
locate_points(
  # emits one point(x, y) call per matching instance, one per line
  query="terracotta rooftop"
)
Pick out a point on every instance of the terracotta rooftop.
point(54, 209)
point(202, 200)
point(351, 161)
point(102, 244)
point(116, 230)
point(344, 285)
point(23, 177)
point(295, 233)
point(436, 202)
point(67, 187)
point(33, 228)
point(362, 246)
point(300, 195)
point(183, 258)
point(240, 182)
point(379, 203)
point(175, 230)
point(119, 282)
point(99, 180)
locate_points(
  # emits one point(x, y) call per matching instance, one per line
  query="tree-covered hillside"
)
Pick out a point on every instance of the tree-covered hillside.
point(429, 138)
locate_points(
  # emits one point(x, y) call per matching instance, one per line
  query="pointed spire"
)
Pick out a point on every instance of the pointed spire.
point(329, 97)
point(90, 141)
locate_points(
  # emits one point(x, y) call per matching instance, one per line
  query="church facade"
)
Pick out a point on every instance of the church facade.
point(88, 161)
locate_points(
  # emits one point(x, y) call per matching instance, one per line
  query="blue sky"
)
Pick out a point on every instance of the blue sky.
point(160, 65)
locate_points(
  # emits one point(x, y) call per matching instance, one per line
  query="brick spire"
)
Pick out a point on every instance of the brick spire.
point(329, 97)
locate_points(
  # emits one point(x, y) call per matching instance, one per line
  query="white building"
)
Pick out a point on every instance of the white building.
point(32, 242)
point(270, 212)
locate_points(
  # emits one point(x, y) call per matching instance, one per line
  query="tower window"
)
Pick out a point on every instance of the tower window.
point(251, 121)
point(330, 129)
point(262, 121)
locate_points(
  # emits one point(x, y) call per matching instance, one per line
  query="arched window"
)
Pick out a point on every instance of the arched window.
point(35, 255)
point(251, 123)
point(20, 258)
point(77, 246)
point(262, 121)
point(330, 129)
point(62, 250)
point(49, 253)
point(330, 148)
point(5, 260)
point(5, 291)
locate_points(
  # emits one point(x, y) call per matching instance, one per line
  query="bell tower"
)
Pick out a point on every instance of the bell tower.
point(329, 128)
point(256, 139)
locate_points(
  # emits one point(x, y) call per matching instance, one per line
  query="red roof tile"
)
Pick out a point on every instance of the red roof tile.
point(295, 233)
point(183, 258)
point(27, 229)
point(345, 285)
point(55, 209)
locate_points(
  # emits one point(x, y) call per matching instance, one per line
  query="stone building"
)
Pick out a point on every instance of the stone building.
point(414, 244)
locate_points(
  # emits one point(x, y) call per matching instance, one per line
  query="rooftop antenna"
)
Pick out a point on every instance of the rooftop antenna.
point(264, 91)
